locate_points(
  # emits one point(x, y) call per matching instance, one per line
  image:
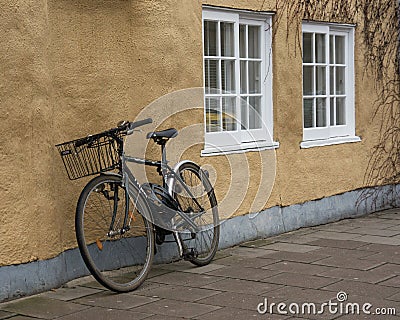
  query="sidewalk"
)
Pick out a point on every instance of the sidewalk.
point(358, 258)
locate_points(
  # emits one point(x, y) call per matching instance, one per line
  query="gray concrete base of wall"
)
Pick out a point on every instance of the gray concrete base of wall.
point(27, 279)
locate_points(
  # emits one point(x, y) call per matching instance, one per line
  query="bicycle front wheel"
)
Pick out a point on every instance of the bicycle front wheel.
point(200, 205)
point(115, 240)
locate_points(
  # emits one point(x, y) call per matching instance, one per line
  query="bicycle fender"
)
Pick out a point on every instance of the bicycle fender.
point(110, 174)
point(170, 180)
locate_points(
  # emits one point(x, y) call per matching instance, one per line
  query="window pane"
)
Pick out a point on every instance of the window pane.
point(332, 113)
point(308, 113)
point(227, 40)
point(308, 47)
point(321, 80)
point(228, 75)
point(254, 42)
point(254, 112)
point(340, 80)
point(332, 80)
point(321, 112)
point(308, 81)
point(340, 111)
point(229, 122)
point(211, 75)
point(213, 121)
point(243, 76)
point(254, 77)
point(242, 40)
point(320, 48)
point(340, 50)
point(331, 49)
point(210, 38)
point(244, 113)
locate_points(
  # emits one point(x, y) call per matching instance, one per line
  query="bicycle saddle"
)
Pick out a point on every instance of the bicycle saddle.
point(164, 134)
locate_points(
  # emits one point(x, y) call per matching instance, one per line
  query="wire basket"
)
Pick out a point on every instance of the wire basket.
point(90, 155)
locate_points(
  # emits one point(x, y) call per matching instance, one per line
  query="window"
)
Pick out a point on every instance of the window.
point(328, 84)
point(237, 81)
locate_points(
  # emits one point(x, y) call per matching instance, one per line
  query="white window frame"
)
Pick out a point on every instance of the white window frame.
point(333, 134)
point(225, 142)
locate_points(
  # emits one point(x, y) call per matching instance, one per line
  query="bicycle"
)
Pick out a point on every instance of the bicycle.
point(118, 222)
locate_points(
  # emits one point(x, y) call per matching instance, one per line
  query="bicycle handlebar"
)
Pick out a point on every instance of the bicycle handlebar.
point(124, 127)
point(137, 124)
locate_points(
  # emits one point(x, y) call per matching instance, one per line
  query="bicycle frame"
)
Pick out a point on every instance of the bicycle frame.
point(166, 172)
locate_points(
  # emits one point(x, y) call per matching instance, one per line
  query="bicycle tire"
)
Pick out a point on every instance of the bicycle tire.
point(204, 243)
point(120, 262)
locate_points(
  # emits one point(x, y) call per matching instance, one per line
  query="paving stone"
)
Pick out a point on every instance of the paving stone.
point(392, 282)
point(375, 232)
point(376, 223)
point(40, 307)
point(376, 303)
point(21, 318)
point(230, 313)
point(175, 308)
point(384, 257)
point(106, 314)
point(395, 228)
point(391, 216)
point(240, 262)
point(93, 284)
point(258, 243)
point(177, 266)
point(234, 300)
point(381, 248)
point(374, 275)
point(244, 273)
point(334, 243)
point(180, 293)
point(5, 314)
point(250, 252)
point(66, 294)
point(185, 279)
point(157, 271)
point(349, 263)
point(242, 286)
point(299, 239)
point(337, 227)
point(336, 235)
point(367, 316)
point(381, 240)
point(305, 281)
point(395, 297)
point(205, 269)
point(298, 267)
point(363, 289)
point(291, 247)
point(238, 314)
point(295, 294)
point(115, 301)
point(163, 317)
point(345, 253)
point(307, 257)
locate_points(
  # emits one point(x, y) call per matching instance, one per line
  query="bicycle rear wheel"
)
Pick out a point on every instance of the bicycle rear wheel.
point(202, 246)
point(119, 256)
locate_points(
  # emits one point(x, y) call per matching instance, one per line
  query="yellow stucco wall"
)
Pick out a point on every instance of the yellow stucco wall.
point(70, 68)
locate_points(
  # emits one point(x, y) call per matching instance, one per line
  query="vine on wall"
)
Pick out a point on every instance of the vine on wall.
point(379, 26)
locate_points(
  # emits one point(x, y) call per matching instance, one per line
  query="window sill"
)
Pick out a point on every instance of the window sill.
point(242, 148)
point(328, 142)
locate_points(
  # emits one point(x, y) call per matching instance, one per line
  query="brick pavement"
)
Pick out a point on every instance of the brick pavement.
point(358, 257)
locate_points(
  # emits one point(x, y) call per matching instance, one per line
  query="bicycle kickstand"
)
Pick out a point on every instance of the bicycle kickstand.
point(184, 251)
